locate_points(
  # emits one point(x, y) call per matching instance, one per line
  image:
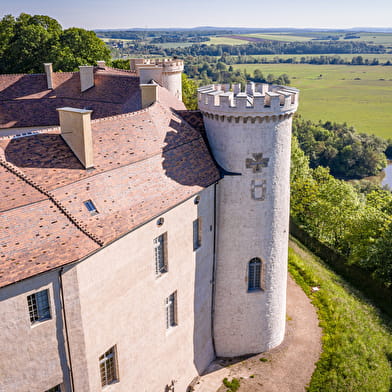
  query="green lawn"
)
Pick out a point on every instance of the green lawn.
point(358, 95)
point(357, 341)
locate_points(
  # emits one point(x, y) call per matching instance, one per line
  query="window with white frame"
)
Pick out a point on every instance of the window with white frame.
point(39, 308)
point(108, 367)
point(196, 233)
point(171, 310)
point(254, 274)
point(160, 253)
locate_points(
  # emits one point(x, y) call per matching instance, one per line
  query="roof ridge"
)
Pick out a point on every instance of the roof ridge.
point(28, 133)
point(35, 74)
point(119, 69)
point(123, 115)
point(19, 173)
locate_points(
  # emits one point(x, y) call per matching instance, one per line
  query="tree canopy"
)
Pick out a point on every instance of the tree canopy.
point(357, 224)
point(347, 153)
point(28, 41)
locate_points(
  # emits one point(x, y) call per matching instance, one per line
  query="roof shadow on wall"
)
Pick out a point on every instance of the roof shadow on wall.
point(41, 151)
point(186, 158)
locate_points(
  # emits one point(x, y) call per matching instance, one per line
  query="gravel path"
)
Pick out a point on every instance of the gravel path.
point(287, 368)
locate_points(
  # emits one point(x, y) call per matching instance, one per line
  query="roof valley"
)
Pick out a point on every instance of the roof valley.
point(19, 173)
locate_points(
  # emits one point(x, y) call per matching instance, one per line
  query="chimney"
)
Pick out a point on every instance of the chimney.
point(148, 73)
point(149, 93)
point(49, 75)
point(86, 77)
point(101, 64)
point(134, 64)
point(76, 131)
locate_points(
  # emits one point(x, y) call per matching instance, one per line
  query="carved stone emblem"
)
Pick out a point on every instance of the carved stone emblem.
point(257, 162)
point(258, 189)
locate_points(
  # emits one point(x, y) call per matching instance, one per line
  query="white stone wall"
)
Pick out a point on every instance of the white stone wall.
point(32, 357)
point(250, 322)
point(172, 81)
point(122, 303)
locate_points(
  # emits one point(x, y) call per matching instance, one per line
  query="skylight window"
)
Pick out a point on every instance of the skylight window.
point(91, 207)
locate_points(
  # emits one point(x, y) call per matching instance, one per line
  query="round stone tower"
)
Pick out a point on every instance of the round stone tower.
point(171, 76)
point(250, 136)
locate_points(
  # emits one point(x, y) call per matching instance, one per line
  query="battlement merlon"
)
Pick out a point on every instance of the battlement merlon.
point(257, 100)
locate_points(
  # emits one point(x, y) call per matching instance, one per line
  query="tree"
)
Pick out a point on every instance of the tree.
point(29, 41)
point(33, 41)
point(6, 32)
point(80, 47)
point(189, 93)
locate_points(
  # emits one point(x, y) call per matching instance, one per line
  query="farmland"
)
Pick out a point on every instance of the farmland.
point(358, 95)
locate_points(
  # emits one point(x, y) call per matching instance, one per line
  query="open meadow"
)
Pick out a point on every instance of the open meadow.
point(358, 95)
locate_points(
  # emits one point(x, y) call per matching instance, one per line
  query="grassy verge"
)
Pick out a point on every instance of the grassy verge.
point(357, 340)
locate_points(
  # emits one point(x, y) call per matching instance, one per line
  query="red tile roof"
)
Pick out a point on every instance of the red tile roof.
point(146, 162)
point(26, 101)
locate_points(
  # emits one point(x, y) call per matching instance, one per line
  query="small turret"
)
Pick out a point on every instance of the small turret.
point(165, 72)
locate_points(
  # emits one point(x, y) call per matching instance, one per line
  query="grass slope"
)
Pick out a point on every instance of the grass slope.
point(357, 342)
point(358, 95)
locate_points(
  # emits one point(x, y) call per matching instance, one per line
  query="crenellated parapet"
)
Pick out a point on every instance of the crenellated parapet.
point(256, 103)
point(167, 65)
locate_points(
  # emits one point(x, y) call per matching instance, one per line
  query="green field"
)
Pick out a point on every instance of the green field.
point(378, 38)
point(279, 37)
point(217, 40)
point(358, 95)
point(345, 56)
point(176, 44)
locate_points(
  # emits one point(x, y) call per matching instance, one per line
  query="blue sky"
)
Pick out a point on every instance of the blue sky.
point(95, 14)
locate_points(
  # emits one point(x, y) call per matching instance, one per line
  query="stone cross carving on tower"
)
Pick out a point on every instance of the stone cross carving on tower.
point(257, 162)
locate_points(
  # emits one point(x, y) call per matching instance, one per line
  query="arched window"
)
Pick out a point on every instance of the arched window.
point(254, 274)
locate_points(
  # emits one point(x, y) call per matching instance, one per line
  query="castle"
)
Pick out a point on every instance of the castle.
point(139, 240)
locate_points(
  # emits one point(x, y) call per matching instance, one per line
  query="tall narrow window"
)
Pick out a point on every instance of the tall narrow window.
point(196, 234)
point(254, 274)
point(160, 247)
point(108, 367)
point(171, 310)
point(39, 308)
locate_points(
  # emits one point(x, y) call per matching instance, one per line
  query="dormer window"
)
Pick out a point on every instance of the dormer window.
point(91, 207)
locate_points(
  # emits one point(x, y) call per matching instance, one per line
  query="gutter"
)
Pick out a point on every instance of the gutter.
point(66, 329)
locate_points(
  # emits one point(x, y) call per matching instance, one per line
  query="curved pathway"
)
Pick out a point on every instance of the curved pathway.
point(287, 368)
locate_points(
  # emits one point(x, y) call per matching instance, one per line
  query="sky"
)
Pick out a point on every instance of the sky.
point(118, 14)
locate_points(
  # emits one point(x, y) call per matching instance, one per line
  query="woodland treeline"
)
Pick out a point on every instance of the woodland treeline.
point(266, 47)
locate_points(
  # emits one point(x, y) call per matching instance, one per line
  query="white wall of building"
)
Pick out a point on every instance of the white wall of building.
point(32, 356)
point(122, 304)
